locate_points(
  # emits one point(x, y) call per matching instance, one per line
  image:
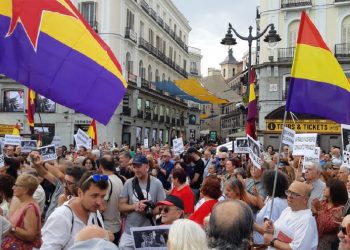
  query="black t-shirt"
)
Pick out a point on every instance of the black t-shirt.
point(198, 168)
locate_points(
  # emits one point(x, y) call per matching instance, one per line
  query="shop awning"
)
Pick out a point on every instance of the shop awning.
point(194, 88)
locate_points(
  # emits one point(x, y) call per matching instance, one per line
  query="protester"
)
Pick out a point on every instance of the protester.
point(210, 192)
point(125, 170)
point(296, 227)
point(76, 213)
point(89, 164)
point(138, 198)
point(24, 215)
point(186, 235)
point(171, 209)
point(197, 173)
point(343, 174)
point(312, 176)
point(256, 180)
point(230, 226)
point(207, 162)
point(344, 234)
point(165, 169)
point(6, 192)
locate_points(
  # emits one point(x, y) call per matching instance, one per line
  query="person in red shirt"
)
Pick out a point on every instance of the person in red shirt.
point(182, 190)
point(210, 192)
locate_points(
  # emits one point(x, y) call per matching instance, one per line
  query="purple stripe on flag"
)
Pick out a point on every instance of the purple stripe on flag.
point(60, 73)
point(319, 98)
point(252, 110)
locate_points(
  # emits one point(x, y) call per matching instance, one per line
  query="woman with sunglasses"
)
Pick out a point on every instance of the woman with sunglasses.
point(336, 196)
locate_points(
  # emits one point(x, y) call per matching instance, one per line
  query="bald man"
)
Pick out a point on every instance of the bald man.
point(296, 227)
point(344, 232)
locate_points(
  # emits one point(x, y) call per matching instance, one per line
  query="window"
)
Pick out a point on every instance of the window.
point(167, 112)
point(149, 73)
point(164, 47)
point(44, 105)
point(345, 30)
point(180, 34)
point(139, 104)
point(155, 108)
point(126, 101)
point(286, 83)
point(142, 27)
point(185, 64)
point(292, 33)
point(158, 43)
point(233, 71)
point(224, 72)
point(130, 17)
point(14, 101)
point(175, 28)
point(88, 11)
point(157, 76)
point(150, 36)
point(129, 63)
point(141, 70)
point(171, 53)
point(161, 110)
point(193, 67)
point(163, 77)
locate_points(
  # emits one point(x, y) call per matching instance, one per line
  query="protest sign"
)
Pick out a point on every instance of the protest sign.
point(312, 158)
point(228, 145)
point(57, 141)
point(48, 152)
point(345, 135)
point(254, 151)
point(28, 145)
point(150, 238)
point(12, 140)
point(288, 136)
point(145, 143)
point(2, 161)
point(83, 139)
point(304, 144)
point(178, 146)
point(241, 146)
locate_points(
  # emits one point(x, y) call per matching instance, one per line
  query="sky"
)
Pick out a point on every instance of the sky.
point(209, 22)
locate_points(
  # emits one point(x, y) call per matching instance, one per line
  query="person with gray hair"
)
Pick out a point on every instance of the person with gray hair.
point(312, 177)
point(343, 174)
point(185, 234)
point(230, 226)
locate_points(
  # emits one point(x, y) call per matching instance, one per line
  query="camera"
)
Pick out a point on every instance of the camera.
point(149, 209)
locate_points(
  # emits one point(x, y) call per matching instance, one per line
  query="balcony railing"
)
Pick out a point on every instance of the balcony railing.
point(295, 3)
point(286, 54)
point(148, 116)
point(194, 71)
point(173, 120)
point(342, 1)
point(153, 14)
point(144, 84)
point(342, 50)
point(140, 114)
point(155, 117)
point(167, 119)
point(129, 33)
point(143, 44)
point(160, 21)
point(126, 111)
point(177, 122)
point(144, 5)
point(161, 118)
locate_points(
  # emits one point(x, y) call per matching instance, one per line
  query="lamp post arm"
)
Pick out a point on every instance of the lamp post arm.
point(238, 35)
point(264, 31)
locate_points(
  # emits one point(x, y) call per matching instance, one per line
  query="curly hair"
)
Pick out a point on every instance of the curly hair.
point(211, 187)
point(281, 185)
point(337, 192)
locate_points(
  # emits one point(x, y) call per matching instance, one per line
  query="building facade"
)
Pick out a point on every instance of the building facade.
point(332, 19)
point(150, 40)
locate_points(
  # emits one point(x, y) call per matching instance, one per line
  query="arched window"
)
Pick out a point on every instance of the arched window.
point(345, 30)
point(293, 33)
point(149, 73)
point(157, 76)
point(141, 70)
point(163, 77)
point(129, 63)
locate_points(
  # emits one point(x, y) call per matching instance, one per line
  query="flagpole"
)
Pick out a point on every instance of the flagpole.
point(42, 127)
point(278, 160)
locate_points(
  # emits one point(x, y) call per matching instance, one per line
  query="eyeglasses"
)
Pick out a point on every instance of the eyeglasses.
point(222, 159)
point(166, 209)
point(96, 178)
point(342, 229)
point(292, 194)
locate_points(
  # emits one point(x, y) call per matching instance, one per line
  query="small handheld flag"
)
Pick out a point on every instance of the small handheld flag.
point(92, 132)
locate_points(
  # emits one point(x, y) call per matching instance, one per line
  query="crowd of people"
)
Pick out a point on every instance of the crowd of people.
point(212, 198)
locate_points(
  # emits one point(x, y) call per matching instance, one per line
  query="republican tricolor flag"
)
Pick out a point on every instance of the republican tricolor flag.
point(49, 47)
point(252, 110)
point(92, 132)
point(318, 84)
point(31, 109)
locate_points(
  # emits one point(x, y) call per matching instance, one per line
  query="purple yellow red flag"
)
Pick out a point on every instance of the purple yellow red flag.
point(48, 46)
point(92, 132)
point(318, 84)
point(16, 130)
point(31, 109)
point(252, 110)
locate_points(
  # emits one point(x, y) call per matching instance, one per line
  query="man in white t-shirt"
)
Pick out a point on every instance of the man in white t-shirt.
point(296, 227)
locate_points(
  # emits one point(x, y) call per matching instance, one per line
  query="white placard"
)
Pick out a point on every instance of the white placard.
point(2, 161)
point(288, 136)
point(57, 141)
point(228, 145)
point(304, 144)
point(178, 146)
point(312, 158)
point(145, 143)
point(254, 151)
point(28, 145)
point(241, 145)
point(12, 140)
point(150, 238)
point(345, 139)
point(48, 152)
point(83, 139)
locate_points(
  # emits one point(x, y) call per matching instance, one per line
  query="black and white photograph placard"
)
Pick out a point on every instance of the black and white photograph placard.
point(48, 152)
point(150, 238)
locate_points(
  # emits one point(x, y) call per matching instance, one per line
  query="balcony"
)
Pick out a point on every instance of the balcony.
point(144, 6)
point(155, 117)
point(342, 50)
point(126, 111)
point(132, 79)
point(148, 116)
point(285, 54)
point(160, 21)
point(144, 44)
point(130, 34)
point(153, 14)
point(194, 72)
point(167, 119)
point(144, 84)
point(173, 120)
point(178, 122)
point(140, 114)
point(295, 3)
point(161, 118)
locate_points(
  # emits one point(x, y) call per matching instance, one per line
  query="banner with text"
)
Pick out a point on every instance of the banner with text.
point(178, 146)
point(304, 144)
point(12, 140)
point(345, 136)
point(254, 151)
point(228, 145)
point(83, 139)
point(312, 158)
point(288, 136)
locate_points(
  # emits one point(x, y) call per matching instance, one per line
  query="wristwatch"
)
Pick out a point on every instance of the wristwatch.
point(272, 243)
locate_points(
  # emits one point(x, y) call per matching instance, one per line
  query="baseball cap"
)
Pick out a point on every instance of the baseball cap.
point(139, 160)
point(172, 200)
point(223, 149)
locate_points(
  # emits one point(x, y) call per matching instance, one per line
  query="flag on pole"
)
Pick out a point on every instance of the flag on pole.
point(49, 47)
point(92, 132)
point(31, 109)
point(16, 130)
point(318, 84)
point(252, 109)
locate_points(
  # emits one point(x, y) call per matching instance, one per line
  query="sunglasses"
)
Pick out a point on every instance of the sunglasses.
point(166, 209)
point(96, 178)
point(342, 229)
point(222, 159)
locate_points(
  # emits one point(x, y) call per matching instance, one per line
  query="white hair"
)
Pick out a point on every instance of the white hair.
point(96, 153)
point(185, 234)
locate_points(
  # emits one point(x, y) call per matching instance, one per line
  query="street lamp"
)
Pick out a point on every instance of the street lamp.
point(272, 38)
